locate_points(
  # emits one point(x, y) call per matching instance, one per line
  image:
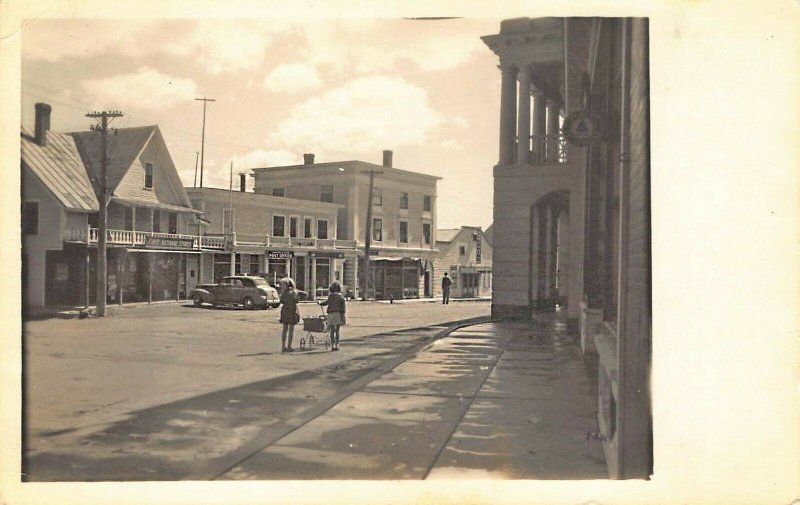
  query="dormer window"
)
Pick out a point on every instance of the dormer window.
point(148, 175)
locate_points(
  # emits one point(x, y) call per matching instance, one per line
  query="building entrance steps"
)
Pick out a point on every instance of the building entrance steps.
point(492, 400)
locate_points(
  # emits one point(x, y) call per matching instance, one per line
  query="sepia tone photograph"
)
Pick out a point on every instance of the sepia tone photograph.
point(374, 249)
point(459, 207)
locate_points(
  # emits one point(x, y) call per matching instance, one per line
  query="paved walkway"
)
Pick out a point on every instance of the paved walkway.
point(494, 400)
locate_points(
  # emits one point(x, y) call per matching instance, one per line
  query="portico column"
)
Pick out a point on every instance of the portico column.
point(508, 109)
point(524, 116)
point(552, 130)
point(548, 249)
point(355, 277)
point(539, 124)
point(534, 263)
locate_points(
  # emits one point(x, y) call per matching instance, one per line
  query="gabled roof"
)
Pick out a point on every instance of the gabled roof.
point(489, 234)
point(124, 147)
point(447, 235)
point(58, 165)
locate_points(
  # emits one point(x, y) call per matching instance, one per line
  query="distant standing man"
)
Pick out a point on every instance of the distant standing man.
point(446, 282)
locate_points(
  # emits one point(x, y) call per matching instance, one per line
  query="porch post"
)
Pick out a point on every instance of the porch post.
point(122, 261)
point(524, 116)
point(313, 283)
point(534, 263)
point(355, 276)
point(150, 263)
point(88, 264)
point(508, 106)
point(548, 259)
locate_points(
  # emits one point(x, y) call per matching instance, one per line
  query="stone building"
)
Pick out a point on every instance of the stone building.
point(466, 255)
point(403, 228)
point(572, 204)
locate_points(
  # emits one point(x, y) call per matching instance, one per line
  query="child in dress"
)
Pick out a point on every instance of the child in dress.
point(336, 309)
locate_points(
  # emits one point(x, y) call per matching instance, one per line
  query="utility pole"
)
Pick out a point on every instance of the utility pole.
point(196, 157)
point(103, 198)
point(203, 140)
point(368, 238)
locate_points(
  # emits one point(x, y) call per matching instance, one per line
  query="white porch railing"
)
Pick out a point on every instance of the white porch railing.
point(87, 235)
point(548, 149)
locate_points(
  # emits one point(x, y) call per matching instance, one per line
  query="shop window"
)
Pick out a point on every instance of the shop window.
point(487, 279)
point(148, 175)
point(30, 218)
point(404, 201)
point(462, 250)
point(322, 228)
point(128, 218)
point(307, 228)
point(426, 203)
point(156, 221)
point(377, 197)
point(278, 192)
point(228, 217)
point(377, 230)
point(404, 232)
point(326, 193)
point(94, 220)
point(426, 233)
point(278, 226)
point(293, 226)
point(173, 222)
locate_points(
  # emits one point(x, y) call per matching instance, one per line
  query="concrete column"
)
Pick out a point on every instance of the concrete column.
point(524, 116)
point(508, 107)
point(355, 277)
point(539, 126)
point(548, 249)
point(552, 131)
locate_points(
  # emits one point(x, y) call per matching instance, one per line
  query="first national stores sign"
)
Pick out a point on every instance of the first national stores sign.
point(168, 242)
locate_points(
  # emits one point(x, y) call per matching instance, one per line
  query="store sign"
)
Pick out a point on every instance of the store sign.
point(477, 248)
point(151, 242)
point(279, 255)
point(583, 129)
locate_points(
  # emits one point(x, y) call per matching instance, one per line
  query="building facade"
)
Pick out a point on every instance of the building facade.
point(149, 216)
point(403, 218)
point(270, 236)
point(466, 255)
point(572, 204)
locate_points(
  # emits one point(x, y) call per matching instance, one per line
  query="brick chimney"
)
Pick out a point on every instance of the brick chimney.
point(243, 182)
point(387, 159)
point(42, 124)
point(308, 159)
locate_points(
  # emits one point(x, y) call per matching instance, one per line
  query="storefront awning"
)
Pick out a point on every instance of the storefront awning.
point(393, 258)
point(180, 251)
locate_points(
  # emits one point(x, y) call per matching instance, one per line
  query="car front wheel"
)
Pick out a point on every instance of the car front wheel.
point(248, 303)
point(197, 300)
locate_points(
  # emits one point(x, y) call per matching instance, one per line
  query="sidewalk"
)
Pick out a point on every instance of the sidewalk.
point(493, 400)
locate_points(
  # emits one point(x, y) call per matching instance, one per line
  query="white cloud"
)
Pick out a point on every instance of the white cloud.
point(292, 78)
point(146, 88)
point(53, 40)
point(369, 46)
point(220, 176)
point(223, 46)
point(369, 113)
point(451, 145)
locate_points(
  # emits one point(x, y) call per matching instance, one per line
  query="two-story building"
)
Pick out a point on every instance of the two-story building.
point(148, 216)
point(270, 236)
point(403, 217)
point(466, 255)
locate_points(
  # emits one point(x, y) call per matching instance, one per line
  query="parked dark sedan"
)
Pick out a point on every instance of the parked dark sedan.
point(248, 291)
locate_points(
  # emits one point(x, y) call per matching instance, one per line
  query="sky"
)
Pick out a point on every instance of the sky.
point(343, 89)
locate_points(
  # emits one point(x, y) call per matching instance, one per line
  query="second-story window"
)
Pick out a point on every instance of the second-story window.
point(307, 227)
point(462, 250)
point(377, 197)
point(157, 221)
point(404, 200)
point(148, 175)
point(326, 193)
point(322, 228)
point(228, 216)
point(293, 226)
point(404, 232)
point(426, 233)
point(128, 218)
point(173, 222)
point(278, 192)
point(427, 203)
point(278, 226)
point(377, 229)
